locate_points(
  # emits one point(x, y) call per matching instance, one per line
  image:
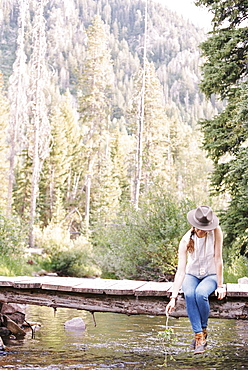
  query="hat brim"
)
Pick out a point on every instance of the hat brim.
point(193, 221)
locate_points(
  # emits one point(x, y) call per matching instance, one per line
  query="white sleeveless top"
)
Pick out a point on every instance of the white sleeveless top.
point(201, 262)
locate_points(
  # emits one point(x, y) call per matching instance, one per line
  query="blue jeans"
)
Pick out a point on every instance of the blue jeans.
point(196, 292)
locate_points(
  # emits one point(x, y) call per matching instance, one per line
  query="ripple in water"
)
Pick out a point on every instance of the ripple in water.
point(123, 342)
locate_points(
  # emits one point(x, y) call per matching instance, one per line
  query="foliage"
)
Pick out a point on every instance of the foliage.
point(12, 236)
point(95, 86)
point(4, 150)
point(17, 93)
point(227, 64)
point(238, 268)
point(81, 141)
point(13, 240)
point(142, 244)
point(226, 135)
point(233, 12)
point(167, 338)
point(38, 132)
point(63, 255)
point(64, 164)
point(16, 266)
point(151, 131)
point(172, 47)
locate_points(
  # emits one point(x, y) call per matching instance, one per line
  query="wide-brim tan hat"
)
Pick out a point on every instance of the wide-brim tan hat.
point(203, 218)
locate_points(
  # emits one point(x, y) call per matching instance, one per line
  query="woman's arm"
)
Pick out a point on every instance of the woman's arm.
point(220, 291)
point(179, 277)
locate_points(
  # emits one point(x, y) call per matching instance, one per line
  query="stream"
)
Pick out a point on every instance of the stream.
point(123, 342)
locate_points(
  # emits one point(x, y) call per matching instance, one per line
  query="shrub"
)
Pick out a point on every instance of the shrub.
point(13, 236)
point(63, 255)
point(237, 269)
point(15, 266)
point(143, 244)
point(13, 239)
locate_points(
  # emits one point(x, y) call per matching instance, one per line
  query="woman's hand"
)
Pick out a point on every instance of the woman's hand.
point(170, 306)
point(220, 292)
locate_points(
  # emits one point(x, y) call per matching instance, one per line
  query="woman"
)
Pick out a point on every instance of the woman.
point(200, 271)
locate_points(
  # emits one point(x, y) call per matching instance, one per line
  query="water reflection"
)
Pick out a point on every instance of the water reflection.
point(122, 342)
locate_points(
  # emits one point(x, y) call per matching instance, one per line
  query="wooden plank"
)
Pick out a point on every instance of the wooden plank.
point(7, 281)
point(153, 288)
point(124, 287)
point(83, 285)
point(62, 283)
point(237, 290)
point(28, 282)
point(18, 281)
point(97, 286)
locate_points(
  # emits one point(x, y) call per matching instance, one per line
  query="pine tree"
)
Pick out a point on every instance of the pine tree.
point(94, 105)
point(18, 101)
point(121, 147)
point(4, 170)
point(63, 162)
point(39, 128)
point(226, 135)
point(140, 120)
point(155, 133)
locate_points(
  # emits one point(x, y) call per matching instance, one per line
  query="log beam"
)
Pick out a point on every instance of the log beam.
point(229, 308)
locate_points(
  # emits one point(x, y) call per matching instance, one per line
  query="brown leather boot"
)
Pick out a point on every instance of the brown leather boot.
point(205, 333)
point(200, 342)
point(204, 330)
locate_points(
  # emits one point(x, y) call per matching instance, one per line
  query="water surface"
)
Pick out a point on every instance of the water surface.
point(123, 342)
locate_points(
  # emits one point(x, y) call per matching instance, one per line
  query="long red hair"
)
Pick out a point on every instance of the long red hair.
point(191, 244)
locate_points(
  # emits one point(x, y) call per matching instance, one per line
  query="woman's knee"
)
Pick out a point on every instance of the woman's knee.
point(189, 292)
point(189, 286)
point(201, 295)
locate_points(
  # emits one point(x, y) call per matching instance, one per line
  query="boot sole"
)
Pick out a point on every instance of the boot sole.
point(200, 350)
point(192, 345)
point(198, 353)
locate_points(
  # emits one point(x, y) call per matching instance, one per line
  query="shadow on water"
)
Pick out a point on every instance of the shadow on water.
point(122, 342)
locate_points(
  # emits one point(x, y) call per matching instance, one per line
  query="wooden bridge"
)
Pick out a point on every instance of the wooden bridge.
point(120, 296)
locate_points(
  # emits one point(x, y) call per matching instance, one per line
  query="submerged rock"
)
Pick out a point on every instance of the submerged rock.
point(75, 324)
point(2, 346)
point(12, 326)
point(243, 280)
point(15, 312)
point(4, 332)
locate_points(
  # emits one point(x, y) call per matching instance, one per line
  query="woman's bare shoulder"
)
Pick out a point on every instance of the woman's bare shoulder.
point(186, 236)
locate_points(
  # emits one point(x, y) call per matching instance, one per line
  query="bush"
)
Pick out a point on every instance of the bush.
point(143, 244)
point(13, 239)
point(13, 236)
point(15, 266)
point(237, 269)
point(63, 255)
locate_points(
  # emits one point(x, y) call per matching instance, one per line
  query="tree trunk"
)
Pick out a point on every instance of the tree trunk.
point(34, 184)
point(87, 195)
point(141, 114)
point(17, 94)
point(40, 130)
point(87, 202)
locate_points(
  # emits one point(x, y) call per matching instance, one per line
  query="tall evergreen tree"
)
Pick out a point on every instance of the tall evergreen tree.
point(155, 131)
point(121, 148)
point(94, 105)
point(4, 168)
point(226, 135)
point(39, 128)
point(63, 163)
point(18, 100)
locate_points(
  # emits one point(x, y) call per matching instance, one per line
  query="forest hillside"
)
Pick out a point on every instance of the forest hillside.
point(101, 152)
point(172, 46)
